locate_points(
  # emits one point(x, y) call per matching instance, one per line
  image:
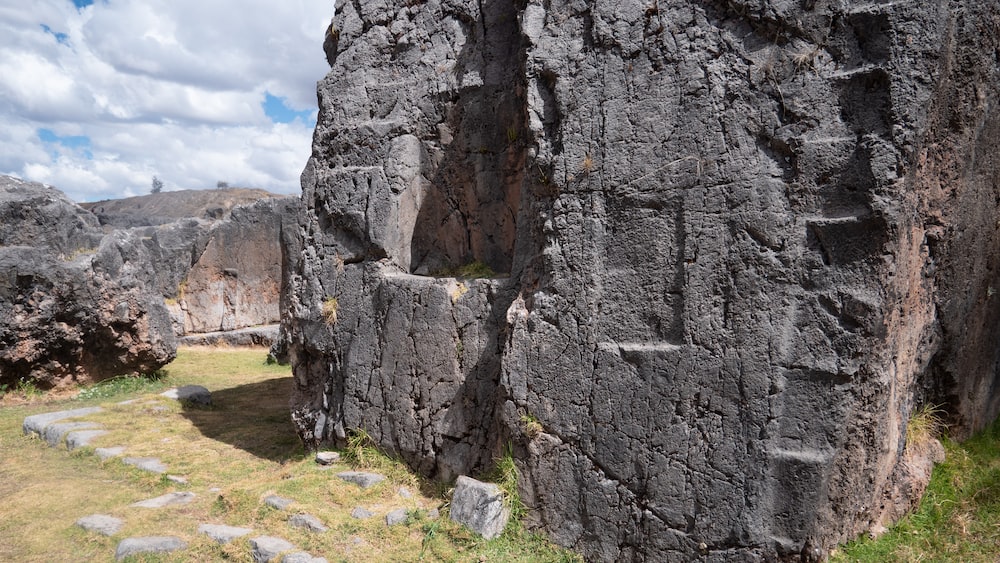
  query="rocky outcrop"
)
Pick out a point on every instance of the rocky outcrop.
point(736, 244)
point(75, 305)
point(168, 207)
point(233, 278)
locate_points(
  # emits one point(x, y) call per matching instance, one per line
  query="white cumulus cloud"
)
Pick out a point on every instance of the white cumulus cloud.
point(97, 100)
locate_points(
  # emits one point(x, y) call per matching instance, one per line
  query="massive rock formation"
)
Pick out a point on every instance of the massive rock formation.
point(75, 304)
point(217, 252)
point(737, 243)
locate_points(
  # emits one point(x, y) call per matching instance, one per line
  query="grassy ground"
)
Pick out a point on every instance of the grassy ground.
point(232, 454)
point(959, 516)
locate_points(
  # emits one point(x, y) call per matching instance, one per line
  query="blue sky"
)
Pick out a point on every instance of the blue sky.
point(97, 97)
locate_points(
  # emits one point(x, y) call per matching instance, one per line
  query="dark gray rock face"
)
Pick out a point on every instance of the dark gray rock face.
point(75, 304)
point(737, 243)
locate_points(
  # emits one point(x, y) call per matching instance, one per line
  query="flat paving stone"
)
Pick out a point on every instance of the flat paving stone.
point(105, 453)
point(101, 524)
point(195, 394)
point(280, 503)
point(81, 438)
point(151, 464)
point(165, 500)
point(36, 423)
point(265, 548)
point(361, 478)
point(301, 557)
point(149, 544)
point(55, 432)
point(177, 479)
point(395, 517)
point(308, 522)
point(223, 534)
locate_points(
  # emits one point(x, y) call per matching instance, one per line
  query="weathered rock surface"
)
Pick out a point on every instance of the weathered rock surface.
point(149, 544)
point(737, 243)
point(363, 479)
point(308, 522)
point(101, 524)
point(194, 394)
point(162, 501)
point(37, 423)
point(168, 207)
point(75, 305)
point(222, 533)
point(266, 548)
point(479, 506)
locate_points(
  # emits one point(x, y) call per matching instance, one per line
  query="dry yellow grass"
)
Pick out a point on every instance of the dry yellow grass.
point(233, 454)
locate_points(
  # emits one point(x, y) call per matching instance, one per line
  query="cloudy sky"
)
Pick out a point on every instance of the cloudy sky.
point(98, 96)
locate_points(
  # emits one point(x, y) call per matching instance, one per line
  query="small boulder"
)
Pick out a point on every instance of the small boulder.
point(361, 513)
point(361, 478)
point(101, 524)
point(278, 503)
point(327, 458)
point(479, 506)
point(308, 522)
point(193, 394)
point(395, 517)
point(221, 533)
point(265, 548)
point(150, 544)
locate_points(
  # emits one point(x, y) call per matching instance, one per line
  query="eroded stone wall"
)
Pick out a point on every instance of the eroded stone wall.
point(739, 242)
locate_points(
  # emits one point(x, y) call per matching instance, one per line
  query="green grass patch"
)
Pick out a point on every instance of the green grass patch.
point(472, 270)
point(959, 517)
point(233, 454)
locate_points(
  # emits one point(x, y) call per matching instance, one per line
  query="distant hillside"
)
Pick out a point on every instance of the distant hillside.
point(166, 207)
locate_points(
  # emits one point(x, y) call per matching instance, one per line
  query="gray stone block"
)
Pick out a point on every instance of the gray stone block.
point(36, 423)
point(308, 522)
point(362, 479)
point(277, 502)
point(479, 506)
point(194, 394)
point(265, 548)
point(394, 517)
point(149, 544)
point(81, 438)
point(221, 533)
point(151, 464)
point(168, 499)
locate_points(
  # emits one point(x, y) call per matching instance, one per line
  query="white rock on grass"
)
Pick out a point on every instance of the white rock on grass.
point(479, 506)
point(150, 544)
point(221, 533)
point(101, 524)
point(165, 500)
point(266, 548)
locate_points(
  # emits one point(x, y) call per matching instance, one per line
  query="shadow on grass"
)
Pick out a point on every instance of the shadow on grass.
point(254, 417)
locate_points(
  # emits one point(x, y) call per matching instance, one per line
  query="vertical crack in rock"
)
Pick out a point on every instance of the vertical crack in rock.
point(738, 242)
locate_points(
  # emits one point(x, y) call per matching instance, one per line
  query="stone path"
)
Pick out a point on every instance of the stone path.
point(64, 428)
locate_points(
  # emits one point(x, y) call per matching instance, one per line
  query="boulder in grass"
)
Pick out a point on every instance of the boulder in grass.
point(36, 423)
point(361, 478)
point(278, 503)
point(307, 522)
point(266, 548)
point(480, 507)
